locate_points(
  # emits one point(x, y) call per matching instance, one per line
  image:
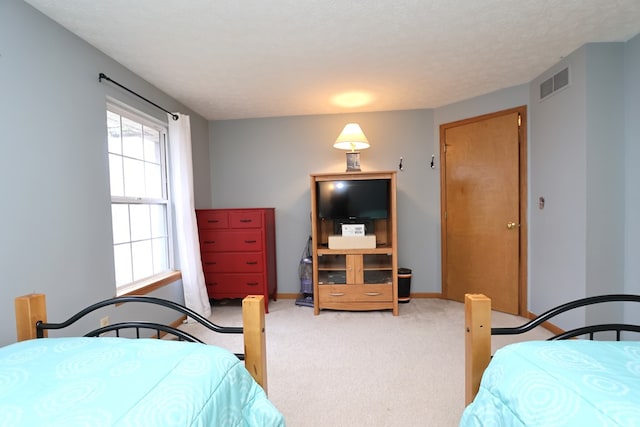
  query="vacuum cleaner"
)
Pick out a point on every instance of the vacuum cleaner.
point(305, 271)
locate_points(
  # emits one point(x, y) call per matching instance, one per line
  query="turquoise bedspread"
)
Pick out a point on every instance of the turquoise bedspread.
point(560, 383)
point(127, 382)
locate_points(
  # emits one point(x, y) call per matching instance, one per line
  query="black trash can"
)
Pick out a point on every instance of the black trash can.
point(404, 285)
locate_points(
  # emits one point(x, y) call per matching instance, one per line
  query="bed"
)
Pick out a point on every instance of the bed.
point(563, 381)
point(165, 377)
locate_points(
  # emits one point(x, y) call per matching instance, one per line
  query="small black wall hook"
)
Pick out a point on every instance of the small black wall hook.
point(400, 165)
point(433, 161)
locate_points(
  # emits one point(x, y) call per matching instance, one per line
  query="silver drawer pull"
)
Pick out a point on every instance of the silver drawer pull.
point(337, 294)
point(372, 294)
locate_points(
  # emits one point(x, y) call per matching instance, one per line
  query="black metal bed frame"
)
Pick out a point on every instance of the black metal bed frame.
point(159, 328)
point(577, 332)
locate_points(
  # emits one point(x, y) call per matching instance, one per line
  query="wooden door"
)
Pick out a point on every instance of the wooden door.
point(483, 205)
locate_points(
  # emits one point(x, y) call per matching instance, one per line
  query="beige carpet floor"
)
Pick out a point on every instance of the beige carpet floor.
point(363, 368)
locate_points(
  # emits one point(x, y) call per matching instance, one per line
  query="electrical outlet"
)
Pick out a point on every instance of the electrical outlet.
point(104, 321)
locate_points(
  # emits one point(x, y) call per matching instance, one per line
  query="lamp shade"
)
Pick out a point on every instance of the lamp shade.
point(351, 138)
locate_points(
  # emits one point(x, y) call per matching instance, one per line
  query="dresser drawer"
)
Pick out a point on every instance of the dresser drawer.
point(355, 293)
point(208, 219)
point(239, 262)
point(245, 219)
point(221, 284)
point(226, 240)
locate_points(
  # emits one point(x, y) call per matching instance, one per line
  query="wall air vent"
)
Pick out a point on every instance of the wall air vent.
point(555, 83)
point(546, 88)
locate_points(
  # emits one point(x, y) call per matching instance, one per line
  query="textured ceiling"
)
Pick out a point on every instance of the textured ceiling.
point(229, 59)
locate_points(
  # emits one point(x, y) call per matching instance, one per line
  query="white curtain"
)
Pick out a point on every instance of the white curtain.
point(195, 290)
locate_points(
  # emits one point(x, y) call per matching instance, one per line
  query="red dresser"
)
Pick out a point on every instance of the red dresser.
point(238, 249)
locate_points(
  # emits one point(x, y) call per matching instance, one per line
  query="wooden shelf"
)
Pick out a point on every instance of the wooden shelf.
point(355, 279)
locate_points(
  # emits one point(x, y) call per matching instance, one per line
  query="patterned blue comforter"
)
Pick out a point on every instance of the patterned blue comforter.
point(127, 382)
point(560, 383)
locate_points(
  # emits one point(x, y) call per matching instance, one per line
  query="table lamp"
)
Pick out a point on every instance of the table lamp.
point(352, 138)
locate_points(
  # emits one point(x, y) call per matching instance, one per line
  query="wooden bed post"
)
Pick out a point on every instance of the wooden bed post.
point(29, 309)
point(255, 345)
point(477, 342)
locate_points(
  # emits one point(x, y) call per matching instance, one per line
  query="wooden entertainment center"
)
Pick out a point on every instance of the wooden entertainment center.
point(355, 278)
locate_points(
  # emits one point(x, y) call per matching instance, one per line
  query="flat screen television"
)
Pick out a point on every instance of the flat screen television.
point(364, 199)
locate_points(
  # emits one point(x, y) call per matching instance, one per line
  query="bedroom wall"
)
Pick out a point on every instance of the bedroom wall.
point(632, 171)
point(577, 165)
point(605, 175)
point(54, 182)
point(557, 156)
point(267, 162)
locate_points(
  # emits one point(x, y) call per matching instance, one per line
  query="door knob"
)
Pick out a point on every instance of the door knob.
point(512, 225)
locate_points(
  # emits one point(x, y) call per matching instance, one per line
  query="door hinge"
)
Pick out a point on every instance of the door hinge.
point(519, 120)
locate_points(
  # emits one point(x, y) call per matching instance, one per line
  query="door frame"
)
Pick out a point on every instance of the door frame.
point(523, 201)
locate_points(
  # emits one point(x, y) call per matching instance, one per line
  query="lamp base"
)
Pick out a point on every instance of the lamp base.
point(353, 161)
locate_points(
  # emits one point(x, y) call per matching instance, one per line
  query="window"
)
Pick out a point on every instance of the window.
point(139, 197)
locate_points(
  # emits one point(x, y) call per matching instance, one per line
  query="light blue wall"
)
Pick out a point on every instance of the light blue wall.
point(267, 162)
point(54, 184)
point(557, 170)
point(577, 164)
point(632, 171)
point(605, 175)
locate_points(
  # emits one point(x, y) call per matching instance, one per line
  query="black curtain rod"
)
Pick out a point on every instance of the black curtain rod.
point(102, 76)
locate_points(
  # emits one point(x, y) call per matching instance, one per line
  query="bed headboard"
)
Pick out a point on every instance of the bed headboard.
point(31, 309)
